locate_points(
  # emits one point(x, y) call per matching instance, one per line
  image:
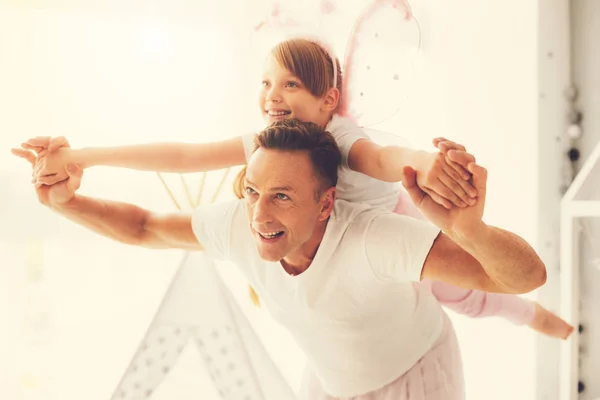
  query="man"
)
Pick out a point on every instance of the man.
point(337, 275)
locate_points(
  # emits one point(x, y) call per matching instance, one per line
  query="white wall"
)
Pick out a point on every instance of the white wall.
point(479, 87)
point(586, 76)
point(109, 77)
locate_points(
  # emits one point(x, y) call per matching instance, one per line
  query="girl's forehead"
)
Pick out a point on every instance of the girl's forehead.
point(272, 65)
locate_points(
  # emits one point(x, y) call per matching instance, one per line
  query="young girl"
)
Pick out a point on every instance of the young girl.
point(300, 81)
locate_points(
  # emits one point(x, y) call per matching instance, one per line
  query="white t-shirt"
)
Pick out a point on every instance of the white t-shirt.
point(352, 186)
point(354, 311)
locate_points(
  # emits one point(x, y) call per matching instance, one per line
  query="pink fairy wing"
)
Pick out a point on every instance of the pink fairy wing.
point(379, 61)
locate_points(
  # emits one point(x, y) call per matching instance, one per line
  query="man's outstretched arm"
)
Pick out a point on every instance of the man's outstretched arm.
point(123, 222)
point(467, 253)
point(469, 249)
point(131, 224)
point(493, 261)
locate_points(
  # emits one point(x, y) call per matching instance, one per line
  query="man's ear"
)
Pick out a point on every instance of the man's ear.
point(327, 201)
point(331, 100)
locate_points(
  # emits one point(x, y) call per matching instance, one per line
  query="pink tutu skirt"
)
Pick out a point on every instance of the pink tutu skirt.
point(438, 375)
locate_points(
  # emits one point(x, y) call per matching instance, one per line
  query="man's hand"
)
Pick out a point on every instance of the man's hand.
point(455, 154)
point(52, 160)
point(445, 181)
point(47, 143)
point(58, 193)
point(454, 221)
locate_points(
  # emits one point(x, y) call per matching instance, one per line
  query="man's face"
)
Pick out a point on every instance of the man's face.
point(283, 210)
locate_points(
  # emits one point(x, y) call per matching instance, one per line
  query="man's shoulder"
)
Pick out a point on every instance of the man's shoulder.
point(359, 217)
point(221, 227)
point(355, 213)
point(218, 213)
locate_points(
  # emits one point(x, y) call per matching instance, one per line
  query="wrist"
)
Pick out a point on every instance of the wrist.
point(420, 160)
point(79, 157)
point(64, 205)
point(397, 158)
point(473, 232)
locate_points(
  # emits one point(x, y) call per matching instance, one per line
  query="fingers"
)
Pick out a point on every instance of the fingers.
point(445, 188)
point(444, 145)
point(42, 143)
point(453, 191)
point(49, 179)
point(409, 181)
point(75, 174)
point(449, 144)
point(27, 155)
point(462, 171)
point(447, 183)
point(460, 157)
point(452, 172)
point(37, 149)
point(438, 199)
point(39, 165)
point(39, 141)
point(58, 142)
point(437, 141)
point(479, 179)
point(465, 185)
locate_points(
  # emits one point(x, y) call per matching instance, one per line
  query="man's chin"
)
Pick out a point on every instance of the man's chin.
point(269, 256)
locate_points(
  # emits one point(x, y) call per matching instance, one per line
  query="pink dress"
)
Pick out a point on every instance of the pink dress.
point(438, 375)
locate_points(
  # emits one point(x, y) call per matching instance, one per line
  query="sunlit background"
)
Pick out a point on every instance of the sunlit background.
point(74, 305)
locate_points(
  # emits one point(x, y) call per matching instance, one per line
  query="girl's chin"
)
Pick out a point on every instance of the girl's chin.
point(269, 119)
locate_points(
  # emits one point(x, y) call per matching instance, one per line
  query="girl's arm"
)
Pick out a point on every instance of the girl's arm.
point(164, 157)
point(160, 157)
point(447, 183)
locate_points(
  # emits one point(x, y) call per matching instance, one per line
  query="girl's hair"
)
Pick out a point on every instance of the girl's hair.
point(312, 63)
point(238, 190)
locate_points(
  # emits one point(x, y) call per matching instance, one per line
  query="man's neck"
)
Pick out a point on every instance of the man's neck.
point(301, 259)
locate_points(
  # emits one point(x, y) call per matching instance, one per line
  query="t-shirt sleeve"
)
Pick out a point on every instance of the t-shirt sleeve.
point(346, 133)
point(248, 141)
point(397, 246)
point(212, 224)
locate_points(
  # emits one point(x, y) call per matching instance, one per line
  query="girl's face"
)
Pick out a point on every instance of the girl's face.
point(284, 96)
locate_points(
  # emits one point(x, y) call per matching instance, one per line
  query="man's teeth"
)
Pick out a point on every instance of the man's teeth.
point(271, 234)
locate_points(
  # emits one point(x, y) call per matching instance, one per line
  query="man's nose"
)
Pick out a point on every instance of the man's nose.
point(261, 211)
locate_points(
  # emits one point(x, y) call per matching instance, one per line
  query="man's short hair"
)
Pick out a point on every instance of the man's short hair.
point(295, 135)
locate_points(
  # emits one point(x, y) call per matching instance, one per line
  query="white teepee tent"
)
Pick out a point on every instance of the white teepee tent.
point(199, 308)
